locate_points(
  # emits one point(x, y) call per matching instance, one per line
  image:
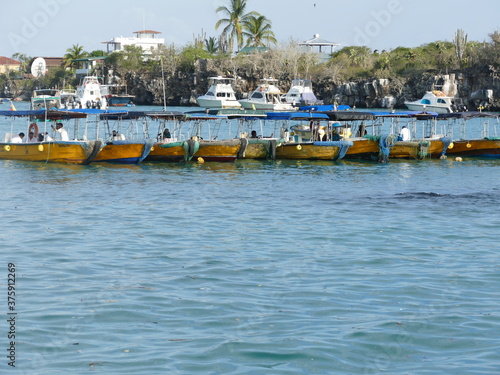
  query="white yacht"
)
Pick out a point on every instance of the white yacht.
point(219, 95)
point(91, 94)
point(301, 94)
point(433, 101)
point(267, 96)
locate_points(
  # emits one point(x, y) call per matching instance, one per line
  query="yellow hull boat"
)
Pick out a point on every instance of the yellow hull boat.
point(52, 152)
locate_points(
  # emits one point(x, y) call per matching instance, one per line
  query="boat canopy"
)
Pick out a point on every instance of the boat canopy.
point(419, 115)
point(324, 107)
point(35, 112)
point(349, 115)
point(296, 116)
point(466, 115)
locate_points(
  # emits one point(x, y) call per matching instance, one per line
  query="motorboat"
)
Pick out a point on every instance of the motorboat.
point(267, 96)
point(219, 95)
point(301, 94)
point(91, 94)
point(47, 149)
point(46, 99)
point(117, 96)
point(68, 98)
point(433, 101)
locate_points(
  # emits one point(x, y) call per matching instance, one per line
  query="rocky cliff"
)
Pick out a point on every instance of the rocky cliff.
point(476, 87)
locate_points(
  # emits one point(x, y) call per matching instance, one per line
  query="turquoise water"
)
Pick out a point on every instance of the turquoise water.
point(253, 267)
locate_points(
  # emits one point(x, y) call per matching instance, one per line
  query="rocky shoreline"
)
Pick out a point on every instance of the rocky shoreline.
point(477, 88)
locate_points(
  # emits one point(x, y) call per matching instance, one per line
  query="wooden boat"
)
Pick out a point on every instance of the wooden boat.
point(70, 152)
point(310, 141)
point(485, 146)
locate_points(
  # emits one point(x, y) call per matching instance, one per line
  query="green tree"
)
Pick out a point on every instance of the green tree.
point(97, 53)
point(132, 57)
point(236, 16)
point(257, 30)
point(24, 60)
point(211, 45)
point(74, 53)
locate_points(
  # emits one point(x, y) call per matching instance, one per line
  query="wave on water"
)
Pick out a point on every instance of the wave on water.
point(448, 196)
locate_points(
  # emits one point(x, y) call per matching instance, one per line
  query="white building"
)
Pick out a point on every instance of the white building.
point(147, 39)
point(322, 47)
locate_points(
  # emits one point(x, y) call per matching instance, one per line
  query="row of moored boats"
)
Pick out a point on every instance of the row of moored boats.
point(320, 133)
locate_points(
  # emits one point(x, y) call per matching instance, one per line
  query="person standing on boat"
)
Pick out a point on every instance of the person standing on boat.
point(18, 138)
point(62, 132)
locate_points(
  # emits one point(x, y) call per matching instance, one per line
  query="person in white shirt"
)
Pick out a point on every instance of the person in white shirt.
point(62, 132)
point(405, 134)
point(115, 136)
point(18, 138)
point(31, 138)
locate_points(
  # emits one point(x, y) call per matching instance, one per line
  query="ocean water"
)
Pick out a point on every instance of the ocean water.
point(253, 267)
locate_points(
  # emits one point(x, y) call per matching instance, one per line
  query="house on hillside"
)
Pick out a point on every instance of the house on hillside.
point(7, 65)
point(146, 39)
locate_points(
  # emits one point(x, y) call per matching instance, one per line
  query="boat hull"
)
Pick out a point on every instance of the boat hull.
point(54, 152)
point(123, 152)
point(177, 151)
point(246, 104)
point(260, 149)
point(307, 151)
point(362, 148)
point(426, 107)
point(226, 150)
point(486, 148)
point(214, 103)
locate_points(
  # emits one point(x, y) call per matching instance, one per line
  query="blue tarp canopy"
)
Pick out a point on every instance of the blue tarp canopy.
point(37, 112)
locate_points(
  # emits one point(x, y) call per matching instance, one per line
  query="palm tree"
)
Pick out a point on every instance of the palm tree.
point(211, 45)
point(74, 53)
point(258, 31)
point(236, 16)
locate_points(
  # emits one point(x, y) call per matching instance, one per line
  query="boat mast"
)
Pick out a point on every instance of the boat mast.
point(163, 80)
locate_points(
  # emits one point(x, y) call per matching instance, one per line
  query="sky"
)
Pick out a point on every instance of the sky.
point(48, 28)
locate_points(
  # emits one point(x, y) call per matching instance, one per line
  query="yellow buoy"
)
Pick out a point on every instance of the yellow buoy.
point(450, 146)
point(469, 145)
point(458, 158)
point(40, 148)
point(299, 147)
point(152, 148)
point(201, 160)
point(7, 148)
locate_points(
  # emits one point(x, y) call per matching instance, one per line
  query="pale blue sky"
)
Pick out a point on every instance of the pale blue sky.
point(49, 27)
